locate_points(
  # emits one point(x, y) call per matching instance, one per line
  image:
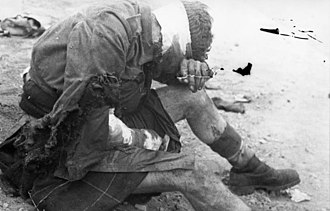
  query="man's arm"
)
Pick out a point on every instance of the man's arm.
point(120, 134)
point(100, 50)
point(95, 48)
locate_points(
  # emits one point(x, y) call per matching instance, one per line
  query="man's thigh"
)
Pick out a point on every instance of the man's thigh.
point(176, 100)
point(198, 108)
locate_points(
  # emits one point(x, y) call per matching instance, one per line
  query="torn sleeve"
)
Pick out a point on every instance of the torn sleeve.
point(97, 47)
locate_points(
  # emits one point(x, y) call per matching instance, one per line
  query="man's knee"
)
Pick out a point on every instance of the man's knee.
point(180, 97)
point(199, 102)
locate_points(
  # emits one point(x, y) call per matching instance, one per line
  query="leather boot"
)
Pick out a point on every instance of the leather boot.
point(248, 172)
point(258, 175)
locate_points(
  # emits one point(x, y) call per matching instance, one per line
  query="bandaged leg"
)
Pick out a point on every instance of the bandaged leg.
point(203, 192)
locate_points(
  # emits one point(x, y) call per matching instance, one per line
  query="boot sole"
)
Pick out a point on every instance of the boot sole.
point(246, 190)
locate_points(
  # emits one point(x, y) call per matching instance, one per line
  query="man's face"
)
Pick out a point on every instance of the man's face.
point(170, 61)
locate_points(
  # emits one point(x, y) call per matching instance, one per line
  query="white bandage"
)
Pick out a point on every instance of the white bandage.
point(151, 142)
point(174, 24)
point(119, 132)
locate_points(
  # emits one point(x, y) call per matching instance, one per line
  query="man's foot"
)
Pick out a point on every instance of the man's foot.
point(258, 175)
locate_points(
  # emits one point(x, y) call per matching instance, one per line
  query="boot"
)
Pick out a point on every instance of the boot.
point(258, 175)
point(248, 172)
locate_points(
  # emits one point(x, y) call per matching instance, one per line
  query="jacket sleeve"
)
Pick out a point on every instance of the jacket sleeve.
point(96, 47)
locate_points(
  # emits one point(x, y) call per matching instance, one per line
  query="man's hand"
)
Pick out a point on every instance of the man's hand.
point(194, 73)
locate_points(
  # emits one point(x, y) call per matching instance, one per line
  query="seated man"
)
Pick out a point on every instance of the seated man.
point(64, 154)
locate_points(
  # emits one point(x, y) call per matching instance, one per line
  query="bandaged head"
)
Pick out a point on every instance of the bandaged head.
point(186, 33)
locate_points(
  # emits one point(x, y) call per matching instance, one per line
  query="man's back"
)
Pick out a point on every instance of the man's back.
point(50, 63)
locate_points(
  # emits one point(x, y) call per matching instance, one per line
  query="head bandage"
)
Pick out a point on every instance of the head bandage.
point(174, 24)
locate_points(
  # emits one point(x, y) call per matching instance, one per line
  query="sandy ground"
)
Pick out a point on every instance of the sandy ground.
point(287, 122)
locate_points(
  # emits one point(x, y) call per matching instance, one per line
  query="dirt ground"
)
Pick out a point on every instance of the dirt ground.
point(287, 122)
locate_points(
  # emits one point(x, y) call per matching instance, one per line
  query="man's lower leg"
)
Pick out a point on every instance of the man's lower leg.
point(248, 172)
